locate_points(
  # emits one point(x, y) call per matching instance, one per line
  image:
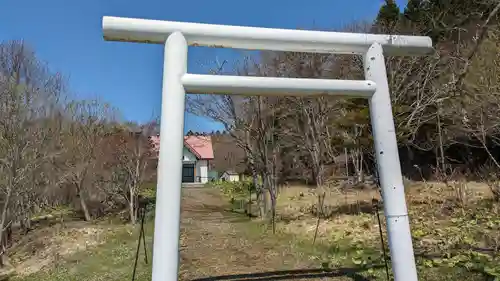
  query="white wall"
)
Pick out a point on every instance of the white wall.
point(201, 166)
point(228, 177)
point(202, 170)
point(187, 156)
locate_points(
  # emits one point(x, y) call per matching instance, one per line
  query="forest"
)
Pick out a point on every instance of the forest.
point(59, 154)
point(445, 105)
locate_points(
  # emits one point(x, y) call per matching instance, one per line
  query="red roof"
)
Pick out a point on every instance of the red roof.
point(200, 146)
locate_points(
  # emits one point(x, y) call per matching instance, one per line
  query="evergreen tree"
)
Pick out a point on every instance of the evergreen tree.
point(413, 10)
point(387, 17)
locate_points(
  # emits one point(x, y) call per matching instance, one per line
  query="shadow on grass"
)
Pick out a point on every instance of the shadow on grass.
point(214, 213)
point(330, 211)
point(292, 274)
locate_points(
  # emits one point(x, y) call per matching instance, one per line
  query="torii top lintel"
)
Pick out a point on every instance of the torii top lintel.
point(258, 38)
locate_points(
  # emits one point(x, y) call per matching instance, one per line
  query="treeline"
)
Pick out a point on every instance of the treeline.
point(56, 151)
point(211, 133)
point(446, 105)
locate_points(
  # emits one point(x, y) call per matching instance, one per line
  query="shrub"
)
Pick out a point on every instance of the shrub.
point(234, 190)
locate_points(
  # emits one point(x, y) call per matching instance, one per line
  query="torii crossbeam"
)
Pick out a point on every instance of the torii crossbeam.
point(177, 36)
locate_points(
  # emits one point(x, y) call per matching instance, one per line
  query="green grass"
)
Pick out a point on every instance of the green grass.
point(113, 260)
point(366, 259)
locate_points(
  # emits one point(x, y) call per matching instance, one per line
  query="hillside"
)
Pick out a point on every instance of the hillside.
point(453, 240)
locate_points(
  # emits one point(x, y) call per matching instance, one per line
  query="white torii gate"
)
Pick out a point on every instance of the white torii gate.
point(176, 82)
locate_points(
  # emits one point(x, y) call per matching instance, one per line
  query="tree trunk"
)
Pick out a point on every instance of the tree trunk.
point(79, 184)
point(136, 208)
point(272, 194)
point(260, 192)
point(441, 149)
point(83, 204)
point(26, 224)
point(346, 162)
point(131, 205)
point(357, 156)
point(260, 200)
point(2, 225)
point(361, 173)
point(265, 202)
point(268, 195)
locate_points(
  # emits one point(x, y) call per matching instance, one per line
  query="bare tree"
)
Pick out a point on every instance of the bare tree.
point(29, 96)
point(134, 160)
point(83, 134)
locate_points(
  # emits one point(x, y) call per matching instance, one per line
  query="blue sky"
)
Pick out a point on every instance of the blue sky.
point(67, 35)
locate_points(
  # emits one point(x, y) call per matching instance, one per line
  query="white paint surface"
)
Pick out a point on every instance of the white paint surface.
point(230, 177)
point(389, 168)
point(258, 38)
point(168, 191)
point(202, 170)
point(247, 85)
point(188, 156)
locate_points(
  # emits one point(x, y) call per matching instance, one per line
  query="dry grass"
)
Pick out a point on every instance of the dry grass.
point(80, 251)
point(351, 213)
point(217, 242)
point(49, 245)
point(296, 203)
point(455, 227)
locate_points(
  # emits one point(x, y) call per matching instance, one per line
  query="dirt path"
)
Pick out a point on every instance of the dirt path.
point(215, 242)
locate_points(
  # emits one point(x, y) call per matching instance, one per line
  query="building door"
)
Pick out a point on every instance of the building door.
point(187, 172)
